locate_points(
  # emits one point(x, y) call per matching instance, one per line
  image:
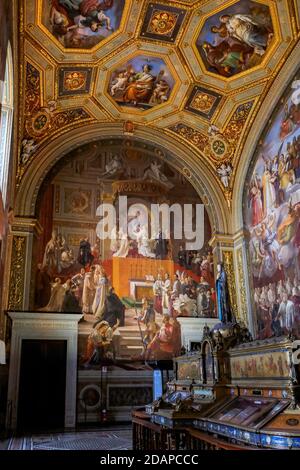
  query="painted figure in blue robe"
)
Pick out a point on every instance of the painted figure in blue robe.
point(224, 311)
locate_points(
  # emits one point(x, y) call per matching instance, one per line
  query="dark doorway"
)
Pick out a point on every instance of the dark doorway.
point(42, 385)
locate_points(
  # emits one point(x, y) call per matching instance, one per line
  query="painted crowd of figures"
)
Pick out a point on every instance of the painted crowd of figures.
point(278, 308)
point(184, 296)
point(89, 286)
point(273, 221)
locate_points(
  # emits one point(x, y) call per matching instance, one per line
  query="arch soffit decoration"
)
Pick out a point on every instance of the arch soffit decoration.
point(180, 158)
point(258, 128)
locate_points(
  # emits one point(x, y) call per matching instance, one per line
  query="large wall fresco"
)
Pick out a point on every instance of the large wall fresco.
point(130, 287)
point(272, 209)
point(82, 23)
point(236, 39)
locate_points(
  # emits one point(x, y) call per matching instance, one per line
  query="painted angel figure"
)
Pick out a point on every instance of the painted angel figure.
point(154, 173)
point(213, 130)
point(268, 242)
point(225, 173)
point(28, 147)
point(114, 166)
point(119, 83)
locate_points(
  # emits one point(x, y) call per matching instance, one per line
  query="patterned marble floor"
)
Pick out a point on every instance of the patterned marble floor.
point(109, 439)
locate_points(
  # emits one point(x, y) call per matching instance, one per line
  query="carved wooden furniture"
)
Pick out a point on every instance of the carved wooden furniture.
point(234, 394)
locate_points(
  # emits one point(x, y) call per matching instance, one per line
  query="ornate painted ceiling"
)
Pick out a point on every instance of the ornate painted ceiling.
point(197, 71)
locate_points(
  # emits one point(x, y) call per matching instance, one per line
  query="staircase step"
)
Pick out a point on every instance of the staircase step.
point(130, 334)
point(130, 352)
point(131, 338)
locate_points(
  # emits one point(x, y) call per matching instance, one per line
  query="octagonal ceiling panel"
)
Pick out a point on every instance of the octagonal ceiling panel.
point(142, 83)
point(82, 24)
point(230, 52)
point(149, 84)
point(236, 38)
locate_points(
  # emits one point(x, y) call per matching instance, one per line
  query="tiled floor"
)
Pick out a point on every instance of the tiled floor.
point(118, 438)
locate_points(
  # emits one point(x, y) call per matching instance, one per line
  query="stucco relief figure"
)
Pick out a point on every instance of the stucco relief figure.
point(225, 172)
point(28, 148)
point(223, 301)
point(153, 172)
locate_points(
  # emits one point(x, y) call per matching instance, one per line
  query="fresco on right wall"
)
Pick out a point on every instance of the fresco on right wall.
point(271, 214)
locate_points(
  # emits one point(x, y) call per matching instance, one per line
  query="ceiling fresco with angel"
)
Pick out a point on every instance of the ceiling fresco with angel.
point(82, 23)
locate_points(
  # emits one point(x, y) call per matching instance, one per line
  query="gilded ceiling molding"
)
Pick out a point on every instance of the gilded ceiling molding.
point(41, 122)
point(220, 147)
point(261, 120)
point(181, 158)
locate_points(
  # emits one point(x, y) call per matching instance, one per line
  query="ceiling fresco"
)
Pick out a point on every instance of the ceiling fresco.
point(236, 38)
point(194, 70)
point(82, 24)
point(142, 82)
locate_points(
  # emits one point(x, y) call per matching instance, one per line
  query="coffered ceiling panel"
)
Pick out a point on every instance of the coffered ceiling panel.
point(196, 70)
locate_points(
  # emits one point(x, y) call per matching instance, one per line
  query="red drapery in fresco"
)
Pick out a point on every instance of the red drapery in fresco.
point(45, 217)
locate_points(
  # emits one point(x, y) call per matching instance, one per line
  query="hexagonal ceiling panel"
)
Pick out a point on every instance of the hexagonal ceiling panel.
point(142, 82)
point(82, 24)
point(236, 38)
